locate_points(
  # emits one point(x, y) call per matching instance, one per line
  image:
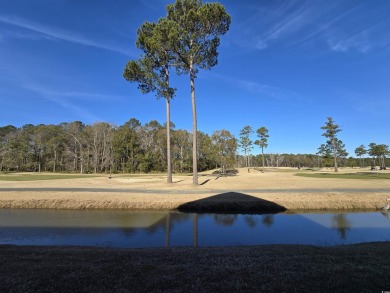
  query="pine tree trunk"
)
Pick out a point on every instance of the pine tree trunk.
point(335, 156)
point(55, 160)
point(262, 157)
point(167, 99)
point(194, 126)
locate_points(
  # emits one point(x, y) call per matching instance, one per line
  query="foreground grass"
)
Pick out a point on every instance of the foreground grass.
point(279, 268)
point(34, 177)
point(360, 175)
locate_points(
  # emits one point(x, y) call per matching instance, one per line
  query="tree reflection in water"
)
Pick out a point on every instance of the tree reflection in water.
point(342, 224)
point(386, 215)
point(251, 221)
point(225, 220)
point(195, 230)
point(173, 228)
point(268, 220)
point(166, 224)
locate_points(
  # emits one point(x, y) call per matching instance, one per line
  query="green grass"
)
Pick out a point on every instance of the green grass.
point(360, 175)
point(148, 175)
point(34, 177)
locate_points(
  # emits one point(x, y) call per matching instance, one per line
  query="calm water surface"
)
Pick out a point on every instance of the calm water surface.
point(167, 228)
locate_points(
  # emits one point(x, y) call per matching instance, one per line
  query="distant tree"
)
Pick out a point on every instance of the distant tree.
point(262, 142)
point(194, 31)
point(5, 134)
point(39, 145)
point(206, 152)
point(148, 135)
point(332, 150)
point(226, 146)
point(18, 148)
point(76, 145)
point(342, 152)
point(333, 144)
point(383, 151)
point(379, 151)
point(100, 138)
point(182, 149)
point(246, 143)
point(360, 151)
point(152, 72)
point(351, 162)
point(126, 145)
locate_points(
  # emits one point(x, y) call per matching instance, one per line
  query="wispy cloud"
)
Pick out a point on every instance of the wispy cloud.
point(78, 96)
point(257, 88)
point(71, 100)
point(365, 103)
point(359, 42)
point(269, 24)
point(267, 90)
point(341, 26)
point(289, 24)
point(81, 112)
point(57, 34)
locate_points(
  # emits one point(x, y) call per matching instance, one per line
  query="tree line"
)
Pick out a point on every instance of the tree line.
point(136, 148)
point(102, 148)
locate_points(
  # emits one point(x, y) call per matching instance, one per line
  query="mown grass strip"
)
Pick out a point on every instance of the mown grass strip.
point(361, 175)
point(34, 177)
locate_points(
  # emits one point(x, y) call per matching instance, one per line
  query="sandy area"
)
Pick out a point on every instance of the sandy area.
point(271, 190)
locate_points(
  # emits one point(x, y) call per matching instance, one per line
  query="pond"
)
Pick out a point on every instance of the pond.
point(138, 229)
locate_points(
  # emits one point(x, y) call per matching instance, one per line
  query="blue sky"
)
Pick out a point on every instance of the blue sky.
point(286, 65)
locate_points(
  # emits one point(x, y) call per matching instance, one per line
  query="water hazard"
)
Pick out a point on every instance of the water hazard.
point(115, 228)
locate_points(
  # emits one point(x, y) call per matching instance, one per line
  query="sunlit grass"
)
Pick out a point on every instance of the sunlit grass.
point(359, 175)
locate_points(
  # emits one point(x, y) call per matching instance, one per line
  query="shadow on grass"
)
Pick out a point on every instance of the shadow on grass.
point(204, 182)
point(231, 202)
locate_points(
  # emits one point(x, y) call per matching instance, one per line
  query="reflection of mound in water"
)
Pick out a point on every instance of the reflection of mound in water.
point(232, 202)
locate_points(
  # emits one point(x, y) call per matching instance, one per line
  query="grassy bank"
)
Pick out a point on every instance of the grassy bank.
point(229, 202)
point(245, 192)
point(280, 268)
